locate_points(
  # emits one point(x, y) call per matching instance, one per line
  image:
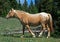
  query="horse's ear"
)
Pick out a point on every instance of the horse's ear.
point(12, 9)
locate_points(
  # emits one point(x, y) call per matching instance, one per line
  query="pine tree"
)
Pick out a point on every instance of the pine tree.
point(1, 7)
point(20, 6)
point(32, 8)
point(5, 6)
point(25, 6)
point(45, 6)
point(38, 5)
point(14, 4)
point(57, 3)
point(57, 17)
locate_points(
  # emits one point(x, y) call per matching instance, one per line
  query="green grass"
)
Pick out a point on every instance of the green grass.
point(18, 39)
point(14, 24)
point(10, 24)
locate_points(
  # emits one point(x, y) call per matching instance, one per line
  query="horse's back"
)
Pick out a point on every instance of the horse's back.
point(44, 14)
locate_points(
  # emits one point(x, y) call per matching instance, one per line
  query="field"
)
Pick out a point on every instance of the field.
point(14, 24)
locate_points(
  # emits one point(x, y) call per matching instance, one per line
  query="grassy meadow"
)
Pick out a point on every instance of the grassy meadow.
point(14, 24)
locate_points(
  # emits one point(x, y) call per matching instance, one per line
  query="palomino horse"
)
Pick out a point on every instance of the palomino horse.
point(28, 20)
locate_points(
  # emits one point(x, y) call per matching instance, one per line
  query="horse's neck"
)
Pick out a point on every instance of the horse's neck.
point(20, 15)
point(17, 14)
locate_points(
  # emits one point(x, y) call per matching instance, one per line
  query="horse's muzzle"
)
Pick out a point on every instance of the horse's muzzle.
point(7, 17)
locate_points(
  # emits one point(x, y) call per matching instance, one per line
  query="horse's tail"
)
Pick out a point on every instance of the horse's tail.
point(51, 23)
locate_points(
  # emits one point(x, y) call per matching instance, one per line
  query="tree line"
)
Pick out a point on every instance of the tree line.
point(49, 6)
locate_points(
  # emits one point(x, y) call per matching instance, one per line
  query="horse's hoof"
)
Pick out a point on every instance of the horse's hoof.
point(47, 37)
point(34, 36)
point(39, 36)
point(22, 36)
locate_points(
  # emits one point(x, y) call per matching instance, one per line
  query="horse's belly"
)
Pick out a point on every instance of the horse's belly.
point(34, 24)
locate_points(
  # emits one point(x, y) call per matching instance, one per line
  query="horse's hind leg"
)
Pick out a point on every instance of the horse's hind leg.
point(30, 30)
point(48, 31)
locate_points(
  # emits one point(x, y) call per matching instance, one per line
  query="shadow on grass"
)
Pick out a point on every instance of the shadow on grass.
point(29, 36)
point(17, 36)
point(11, 36)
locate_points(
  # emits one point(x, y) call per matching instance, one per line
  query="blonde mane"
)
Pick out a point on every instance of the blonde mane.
point(22, 11)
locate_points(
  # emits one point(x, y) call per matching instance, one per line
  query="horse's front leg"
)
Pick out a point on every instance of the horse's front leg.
point(40, 34)
point(30, 30)
point(43, 29)
point(23, 31)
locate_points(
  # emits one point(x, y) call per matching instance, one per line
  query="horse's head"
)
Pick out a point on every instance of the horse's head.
point(11, 13)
